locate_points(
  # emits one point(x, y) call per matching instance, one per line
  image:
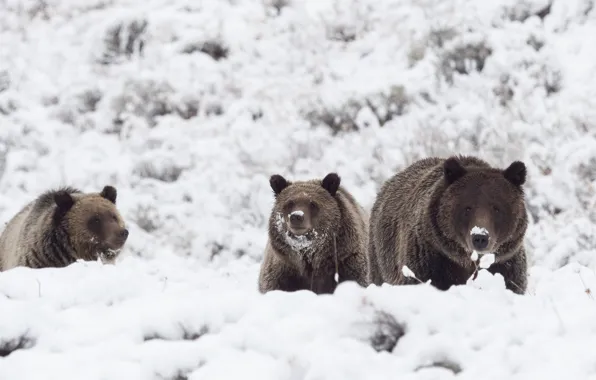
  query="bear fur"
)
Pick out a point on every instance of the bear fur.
point(62, 226)
point(424, 218)
point(314, 226)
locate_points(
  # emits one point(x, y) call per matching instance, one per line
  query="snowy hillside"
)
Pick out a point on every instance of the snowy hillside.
point(188, 108)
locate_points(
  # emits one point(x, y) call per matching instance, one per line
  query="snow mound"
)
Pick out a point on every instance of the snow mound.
point(147, 319)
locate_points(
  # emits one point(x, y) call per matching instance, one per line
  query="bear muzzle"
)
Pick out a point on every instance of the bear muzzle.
point(480, 240)
point(118, 239)
point(298, 224)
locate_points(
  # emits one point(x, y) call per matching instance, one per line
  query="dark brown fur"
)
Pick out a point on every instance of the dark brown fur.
point(422, 218)
point(62, 226)
point(332, 222)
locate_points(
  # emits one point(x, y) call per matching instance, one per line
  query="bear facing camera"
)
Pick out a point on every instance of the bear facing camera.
point(62, 226)
point(443, 217)
point(317, 237)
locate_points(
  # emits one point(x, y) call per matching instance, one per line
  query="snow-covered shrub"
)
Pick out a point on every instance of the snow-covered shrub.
point(387, 333)
point(520, 11)
point(4, 80)
point(142, 98)
point(387, 106)
point(216, 49)
point(504, 90)
point(338, 120)
point(147, 218)
point(439, 36)
point(72, 108)
point(443, 363)
point(348, 20)
point(166, 171)
point(123, 39)
point(8, 104)
point(22, 342)
point(463, 57)
point(384, 106)
point(183, 333)
point(276, 5)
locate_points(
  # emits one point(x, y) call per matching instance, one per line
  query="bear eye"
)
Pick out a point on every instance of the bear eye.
point(291, 204)
point(496, 209)
point(313, 205)
point(95, 220)
point(468, 209)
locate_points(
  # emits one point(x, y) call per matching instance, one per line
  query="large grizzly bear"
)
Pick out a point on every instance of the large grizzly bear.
point(316, 229)
point(62, 226)
point(437, 215)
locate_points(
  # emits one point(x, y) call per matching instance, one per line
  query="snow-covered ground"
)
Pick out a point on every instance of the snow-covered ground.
point(188, 108)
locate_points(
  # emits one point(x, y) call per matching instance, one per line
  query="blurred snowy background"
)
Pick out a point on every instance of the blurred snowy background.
point(188, 107)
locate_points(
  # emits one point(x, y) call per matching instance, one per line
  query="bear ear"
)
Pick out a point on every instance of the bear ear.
point(278, 183)
point(516, 173)
point(63, 200)
point(331, 183)
point(109, 193)
point(452, 170)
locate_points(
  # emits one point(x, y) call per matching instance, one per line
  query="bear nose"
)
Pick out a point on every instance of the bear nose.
point(479, 241)
point(123, 233)
point(296, 219)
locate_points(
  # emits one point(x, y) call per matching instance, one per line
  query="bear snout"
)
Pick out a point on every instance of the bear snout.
point(296, 219)
point(123, 234)
point(479, 241)
point(118, 239)
point(299, 223)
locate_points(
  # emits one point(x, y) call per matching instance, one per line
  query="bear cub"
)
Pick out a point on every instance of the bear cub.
point(62, 226)
point(316, 228)
point(439, 215)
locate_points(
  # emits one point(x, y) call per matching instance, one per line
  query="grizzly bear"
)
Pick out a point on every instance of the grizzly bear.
point(62, 226)
point(317, 237)
point(438, 215)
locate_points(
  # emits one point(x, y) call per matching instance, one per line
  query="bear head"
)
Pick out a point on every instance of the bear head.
point(92, 222)
point(305, 212)
point(482, 209)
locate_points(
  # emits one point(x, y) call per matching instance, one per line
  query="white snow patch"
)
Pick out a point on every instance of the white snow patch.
point(478, 231)
point(297, 243)
point(302, 242)
point(408, 272)
point(486, 260)
point(487, 281)
point(474, 256)
point(297, 212)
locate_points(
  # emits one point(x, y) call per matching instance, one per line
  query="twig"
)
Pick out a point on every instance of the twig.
point(587, 290)
point(562, 325)
point(38, 288)
point(336, 277)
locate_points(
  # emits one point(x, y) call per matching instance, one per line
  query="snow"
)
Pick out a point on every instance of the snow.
point(408, 272)
point(478, 231)
point(301, 244)
point(486, 260)
point(297, 212)
point(151, 319)
point(124, 93)
point(474, 255)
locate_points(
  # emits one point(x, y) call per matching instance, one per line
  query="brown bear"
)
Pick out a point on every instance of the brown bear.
point(316, 230)
point(438, 215)
point(62, 226)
